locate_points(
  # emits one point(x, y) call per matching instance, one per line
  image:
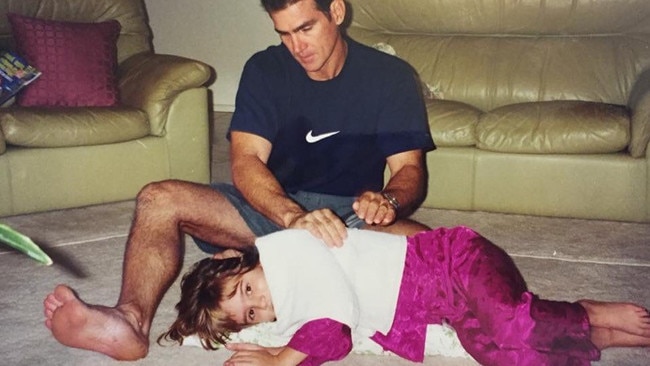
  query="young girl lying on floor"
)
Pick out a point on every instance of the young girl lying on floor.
point(391, 287)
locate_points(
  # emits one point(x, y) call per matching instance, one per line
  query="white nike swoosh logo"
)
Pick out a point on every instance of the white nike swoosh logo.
point(312, 139)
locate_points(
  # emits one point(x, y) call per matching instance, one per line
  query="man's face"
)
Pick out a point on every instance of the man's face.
point(312, 37)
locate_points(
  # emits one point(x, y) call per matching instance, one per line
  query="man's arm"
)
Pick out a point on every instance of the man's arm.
point(407, 185)
point(249, 154)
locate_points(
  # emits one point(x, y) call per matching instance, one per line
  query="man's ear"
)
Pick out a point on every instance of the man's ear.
point(228, 253)
point(337, 11)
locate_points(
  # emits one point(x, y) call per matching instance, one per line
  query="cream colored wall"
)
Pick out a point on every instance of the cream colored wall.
point(221, 33)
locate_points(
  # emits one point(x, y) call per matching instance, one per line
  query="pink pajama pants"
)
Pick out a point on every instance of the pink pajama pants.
point(457, 276)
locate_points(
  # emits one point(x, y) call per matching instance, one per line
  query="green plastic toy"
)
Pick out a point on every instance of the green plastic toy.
point(23, 244)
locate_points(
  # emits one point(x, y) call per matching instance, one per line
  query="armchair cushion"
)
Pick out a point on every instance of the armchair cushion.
point(150, 82)
point(3, 145)
point(78, 61)
point(61, 127)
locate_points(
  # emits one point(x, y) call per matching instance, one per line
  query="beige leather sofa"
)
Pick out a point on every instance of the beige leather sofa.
point(538, 108)
point(53, 158)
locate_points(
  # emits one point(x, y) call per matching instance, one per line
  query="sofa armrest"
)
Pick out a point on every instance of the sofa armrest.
point(150, 82)
point(639, 104)
point(3, 143)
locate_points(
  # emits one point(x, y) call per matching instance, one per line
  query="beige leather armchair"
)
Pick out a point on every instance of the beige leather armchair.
point(54, 158)
point(538, 108)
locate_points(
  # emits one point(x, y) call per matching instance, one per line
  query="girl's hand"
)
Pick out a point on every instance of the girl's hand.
point(251, 354)
point(235, 347)
point(258, 357)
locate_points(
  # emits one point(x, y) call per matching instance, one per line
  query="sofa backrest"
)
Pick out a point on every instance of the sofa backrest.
point(135, 36)
point(490, 53)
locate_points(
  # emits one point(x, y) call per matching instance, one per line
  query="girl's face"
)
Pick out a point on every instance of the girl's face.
point(251, 303)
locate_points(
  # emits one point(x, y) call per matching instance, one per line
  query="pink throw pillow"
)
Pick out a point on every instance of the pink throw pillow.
point(78, 61)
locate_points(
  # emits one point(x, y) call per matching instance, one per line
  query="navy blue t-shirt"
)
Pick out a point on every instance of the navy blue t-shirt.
point(334, 136)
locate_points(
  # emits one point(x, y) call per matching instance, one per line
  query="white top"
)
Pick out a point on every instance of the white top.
point(356, 284)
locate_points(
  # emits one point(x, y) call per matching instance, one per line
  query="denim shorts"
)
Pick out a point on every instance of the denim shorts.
point(260, 225)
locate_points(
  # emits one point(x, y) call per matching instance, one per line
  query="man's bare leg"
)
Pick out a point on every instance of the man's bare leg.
point(152, 261)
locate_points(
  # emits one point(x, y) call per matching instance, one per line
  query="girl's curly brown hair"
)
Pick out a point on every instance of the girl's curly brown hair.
point(202, 290)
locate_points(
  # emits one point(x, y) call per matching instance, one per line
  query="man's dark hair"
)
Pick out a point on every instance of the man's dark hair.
point(272, 6)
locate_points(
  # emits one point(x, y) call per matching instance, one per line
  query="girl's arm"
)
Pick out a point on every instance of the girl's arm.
point(315, 343)
point(322, 340)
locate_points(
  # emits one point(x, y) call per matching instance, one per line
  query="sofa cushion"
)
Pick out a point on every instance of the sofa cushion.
point(559, 127)
point(452, 123)
point(78, 61)
point(59, 127)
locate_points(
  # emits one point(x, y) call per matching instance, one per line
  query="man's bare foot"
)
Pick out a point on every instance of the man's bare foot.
point(110, 331)
point(626, 317)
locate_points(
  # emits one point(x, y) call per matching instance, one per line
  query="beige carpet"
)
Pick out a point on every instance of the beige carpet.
point(563, 259)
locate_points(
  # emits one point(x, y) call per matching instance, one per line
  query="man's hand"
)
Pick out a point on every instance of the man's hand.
point(374, 209)
point(323, 224)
